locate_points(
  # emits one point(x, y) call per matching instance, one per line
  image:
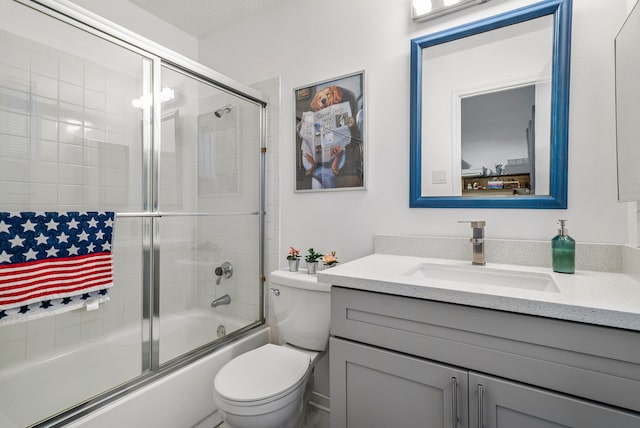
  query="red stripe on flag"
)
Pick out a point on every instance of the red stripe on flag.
point(59, 277)
point(53, 274)
point(79, 279)
point(29, 267)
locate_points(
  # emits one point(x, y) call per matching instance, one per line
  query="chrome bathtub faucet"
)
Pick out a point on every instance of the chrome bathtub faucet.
point(224, 300)
point(477, 241)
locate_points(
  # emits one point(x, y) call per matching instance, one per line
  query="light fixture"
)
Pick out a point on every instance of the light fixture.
point(422, 10)
point(146, 100)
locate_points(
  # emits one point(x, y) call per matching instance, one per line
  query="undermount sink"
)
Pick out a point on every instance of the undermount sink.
point(485, 276)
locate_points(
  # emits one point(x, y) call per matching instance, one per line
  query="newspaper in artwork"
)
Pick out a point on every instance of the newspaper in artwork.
point(326, 132)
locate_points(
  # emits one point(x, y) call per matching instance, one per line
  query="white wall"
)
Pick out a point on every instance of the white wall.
point(305, 43)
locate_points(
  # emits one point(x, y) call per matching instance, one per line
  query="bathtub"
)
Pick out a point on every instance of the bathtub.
point(37, 389)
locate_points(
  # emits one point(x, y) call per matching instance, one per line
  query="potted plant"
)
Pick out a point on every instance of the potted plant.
point(312, 261)
point(294, 259)
point(330, 260)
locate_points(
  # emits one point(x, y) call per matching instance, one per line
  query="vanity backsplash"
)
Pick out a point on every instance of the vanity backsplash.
point(589, 256)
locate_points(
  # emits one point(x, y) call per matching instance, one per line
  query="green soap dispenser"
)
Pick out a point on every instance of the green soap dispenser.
point(563, 251)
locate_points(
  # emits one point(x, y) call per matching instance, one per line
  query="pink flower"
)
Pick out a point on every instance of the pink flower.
point(294, 254)
point(330, 259)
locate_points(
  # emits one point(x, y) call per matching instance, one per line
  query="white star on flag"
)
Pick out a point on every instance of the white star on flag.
point(63, 238)
point(91, 248)
point(73, 250)
point(73, 224)
point(16, 241)
point(31, 255)
point(52, 225)
point(29, 226)
point(4, 257)
point(41, 239)
point(83, 236)
point(100, 235)
point(106, 246)
point(108, 223)
point(93, 222)
point(4, 227)
point(52, 252)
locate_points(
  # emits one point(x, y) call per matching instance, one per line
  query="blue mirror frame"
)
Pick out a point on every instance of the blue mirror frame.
point(561, 60)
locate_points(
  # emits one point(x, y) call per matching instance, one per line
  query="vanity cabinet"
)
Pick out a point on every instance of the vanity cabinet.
point(404, 362)
point(374, 387)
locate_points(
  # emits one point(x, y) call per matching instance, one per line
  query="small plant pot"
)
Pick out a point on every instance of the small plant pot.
point(312, 268)
point(294, 265)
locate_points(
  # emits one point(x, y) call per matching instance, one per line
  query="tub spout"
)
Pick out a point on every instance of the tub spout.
point(224, 300)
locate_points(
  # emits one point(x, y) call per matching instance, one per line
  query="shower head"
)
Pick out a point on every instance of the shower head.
point(222, 111)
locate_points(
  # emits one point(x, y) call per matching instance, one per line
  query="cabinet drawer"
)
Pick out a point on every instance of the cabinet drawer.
point(594, 362)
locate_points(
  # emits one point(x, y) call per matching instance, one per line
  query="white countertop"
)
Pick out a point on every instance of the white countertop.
point(602, 298)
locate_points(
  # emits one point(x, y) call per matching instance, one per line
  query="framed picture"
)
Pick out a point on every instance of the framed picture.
point(330, 143)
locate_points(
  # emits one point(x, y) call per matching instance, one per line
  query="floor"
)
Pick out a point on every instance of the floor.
point(317, 418)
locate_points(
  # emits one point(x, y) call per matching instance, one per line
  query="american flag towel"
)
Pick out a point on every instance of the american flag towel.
point(53, 262)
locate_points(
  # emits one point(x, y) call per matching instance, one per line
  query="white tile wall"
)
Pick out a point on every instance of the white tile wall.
point(55, 155)
point(71, 141)
point(271, 90)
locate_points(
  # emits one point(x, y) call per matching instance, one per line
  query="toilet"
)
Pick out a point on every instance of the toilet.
point(269, 387)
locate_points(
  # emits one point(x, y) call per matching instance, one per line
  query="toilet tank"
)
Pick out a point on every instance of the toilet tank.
point(302, 309)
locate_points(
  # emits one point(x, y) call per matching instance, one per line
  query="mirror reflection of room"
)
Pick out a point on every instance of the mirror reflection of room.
point(486, 110)
point(497, 136)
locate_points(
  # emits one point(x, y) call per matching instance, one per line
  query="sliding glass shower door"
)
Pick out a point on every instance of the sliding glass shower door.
point(90, 123)
point(70, 141)
point(209, 198)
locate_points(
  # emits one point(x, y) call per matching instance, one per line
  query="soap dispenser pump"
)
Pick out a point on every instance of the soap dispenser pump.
point(563, 251)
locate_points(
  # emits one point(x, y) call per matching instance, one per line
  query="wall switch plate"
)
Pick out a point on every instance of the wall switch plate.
point(439, 177)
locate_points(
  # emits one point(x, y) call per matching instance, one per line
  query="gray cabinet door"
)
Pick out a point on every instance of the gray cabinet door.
point(375, 388)
point(508, 404)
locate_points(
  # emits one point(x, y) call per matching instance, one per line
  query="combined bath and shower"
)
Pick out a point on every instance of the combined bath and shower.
point(223, 110)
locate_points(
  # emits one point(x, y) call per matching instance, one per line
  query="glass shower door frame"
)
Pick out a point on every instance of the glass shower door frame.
point(156, 56)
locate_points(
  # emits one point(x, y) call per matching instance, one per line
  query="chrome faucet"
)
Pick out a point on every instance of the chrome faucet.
point(225, 270)
point(224, 300)
point(477, 241)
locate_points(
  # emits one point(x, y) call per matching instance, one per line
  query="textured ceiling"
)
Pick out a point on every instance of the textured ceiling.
point(199, 17)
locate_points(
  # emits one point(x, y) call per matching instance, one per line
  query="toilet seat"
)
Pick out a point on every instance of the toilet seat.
point(262, 376)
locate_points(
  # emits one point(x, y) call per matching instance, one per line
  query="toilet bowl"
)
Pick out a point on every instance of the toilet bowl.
point(268, 387)
point(264, 388)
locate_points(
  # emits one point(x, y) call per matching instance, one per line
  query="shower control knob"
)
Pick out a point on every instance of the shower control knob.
point(226, 270)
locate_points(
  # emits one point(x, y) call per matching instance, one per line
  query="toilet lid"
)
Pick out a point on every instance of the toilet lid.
point(261, 373)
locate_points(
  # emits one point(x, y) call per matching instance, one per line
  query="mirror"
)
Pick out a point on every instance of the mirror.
point(628, 107)
point(490, 109)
